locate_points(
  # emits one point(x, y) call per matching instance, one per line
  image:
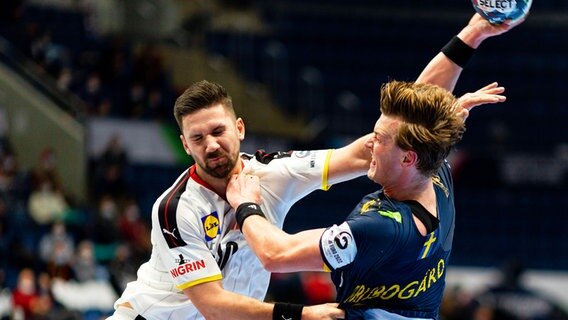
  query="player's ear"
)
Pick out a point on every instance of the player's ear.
point(410, 158)
point(240, 124)
point(185, 146)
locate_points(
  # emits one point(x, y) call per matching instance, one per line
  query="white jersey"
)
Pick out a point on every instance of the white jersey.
point(196, 239)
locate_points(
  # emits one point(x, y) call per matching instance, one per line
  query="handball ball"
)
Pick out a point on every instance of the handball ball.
point(497, 11)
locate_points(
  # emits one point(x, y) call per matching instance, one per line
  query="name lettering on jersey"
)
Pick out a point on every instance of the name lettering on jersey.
point(211, 226)
point(392, 214)
point(187, 268)
point(437, 181)
point(398, 291)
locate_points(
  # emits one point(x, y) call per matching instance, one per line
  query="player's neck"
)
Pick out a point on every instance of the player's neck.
point(219, 185)
point(417, 187)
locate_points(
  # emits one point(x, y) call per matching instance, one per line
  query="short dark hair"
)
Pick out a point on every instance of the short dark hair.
point(201, 95)
point(430, 124)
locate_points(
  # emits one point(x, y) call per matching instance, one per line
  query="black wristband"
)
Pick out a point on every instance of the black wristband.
point(245, 210)
point(288, 311)
point(458, 51)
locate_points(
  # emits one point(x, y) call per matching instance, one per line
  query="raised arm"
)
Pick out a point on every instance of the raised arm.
point(446, 67)
point(443, 70)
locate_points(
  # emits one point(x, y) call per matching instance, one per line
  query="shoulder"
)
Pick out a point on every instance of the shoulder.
point(379, 217)
point(265, 158)
point(261, 156)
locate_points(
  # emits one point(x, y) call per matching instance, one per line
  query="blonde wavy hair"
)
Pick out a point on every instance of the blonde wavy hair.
point(430, 124)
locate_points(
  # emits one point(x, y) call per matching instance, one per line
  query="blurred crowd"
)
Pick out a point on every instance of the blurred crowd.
point(61, 258)
point(58, 254)
point(111, 76)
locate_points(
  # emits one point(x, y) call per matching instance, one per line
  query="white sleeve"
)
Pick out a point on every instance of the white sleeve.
point(292, 178)
point(189, 261)
point(338, 247)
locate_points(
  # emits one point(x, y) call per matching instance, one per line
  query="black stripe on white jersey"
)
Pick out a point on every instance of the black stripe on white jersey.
point(167, 214)
point(265, 157)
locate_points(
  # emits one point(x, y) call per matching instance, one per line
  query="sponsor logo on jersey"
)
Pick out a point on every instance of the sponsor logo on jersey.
point(187, 267)
point(181, 260)
point(336, 245)
point(313, 160)
point(211, 225)
point(301, 154)
point(402, 291)
point(342, 239)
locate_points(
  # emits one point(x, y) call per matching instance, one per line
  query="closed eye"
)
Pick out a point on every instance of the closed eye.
point(196, 138)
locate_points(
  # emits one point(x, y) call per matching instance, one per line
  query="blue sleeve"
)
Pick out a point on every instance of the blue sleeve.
point(376, 232)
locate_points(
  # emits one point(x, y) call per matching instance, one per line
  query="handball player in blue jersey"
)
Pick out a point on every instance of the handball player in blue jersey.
point(388, 259)
point(201, 267)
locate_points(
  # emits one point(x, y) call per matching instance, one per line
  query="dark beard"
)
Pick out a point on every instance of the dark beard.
point(220, 171)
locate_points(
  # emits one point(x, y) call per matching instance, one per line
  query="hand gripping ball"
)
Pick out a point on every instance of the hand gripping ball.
point(497, 11)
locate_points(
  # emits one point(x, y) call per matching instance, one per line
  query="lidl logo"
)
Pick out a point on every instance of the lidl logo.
point(211, 225)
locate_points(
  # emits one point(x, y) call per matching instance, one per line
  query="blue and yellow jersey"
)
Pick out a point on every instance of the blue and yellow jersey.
point(379, 259)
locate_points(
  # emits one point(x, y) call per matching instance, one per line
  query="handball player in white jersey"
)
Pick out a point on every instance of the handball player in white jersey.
point(201, 266)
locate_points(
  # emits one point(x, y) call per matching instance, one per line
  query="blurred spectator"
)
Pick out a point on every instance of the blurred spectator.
point(6, 234)
point(57, 311)
point(510, 300)
point(46, 170)
point(136, 101)
point(111, 170)
point(135, 231)
point(85, 266)
point(49, 56)
point(92, 93)
point(46, 203)
point(56, 249)
point(457, 304)
point(27, 302)
point(122, 269)
point(105, 233)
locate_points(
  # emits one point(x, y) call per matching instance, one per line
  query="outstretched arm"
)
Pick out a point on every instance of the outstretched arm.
point(277, 250)
point(442, 70)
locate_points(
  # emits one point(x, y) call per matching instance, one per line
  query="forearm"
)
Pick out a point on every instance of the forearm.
point(238, 306)
point(281, 252)
point(213, 302)
point(349, 162)
point(441, 71)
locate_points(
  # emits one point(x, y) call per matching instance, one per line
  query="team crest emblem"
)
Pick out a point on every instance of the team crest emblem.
point(211, 225)
point(370, 205)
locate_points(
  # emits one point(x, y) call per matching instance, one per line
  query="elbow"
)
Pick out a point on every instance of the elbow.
point(271, 261)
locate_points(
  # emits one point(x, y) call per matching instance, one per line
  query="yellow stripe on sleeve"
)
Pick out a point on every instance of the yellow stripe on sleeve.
point(199, 281)
point(324, 185)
